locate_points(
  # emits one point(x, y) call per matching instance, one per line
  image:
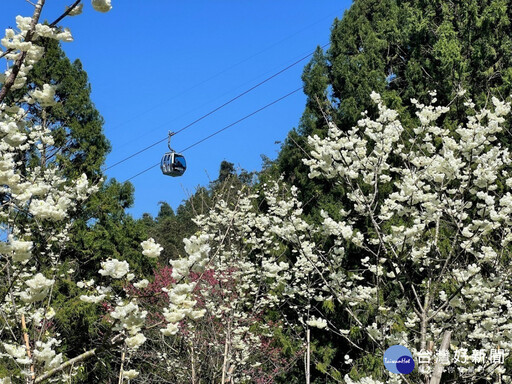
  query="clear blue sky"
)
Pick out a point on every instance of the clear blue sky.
point(158, 65)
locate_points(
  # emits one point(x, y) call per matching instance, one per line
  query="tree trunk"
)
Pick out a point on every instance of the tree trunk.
point(69, 363)
point(27, 346)
point(308, 352)
point(121, 370)
point(226, 349)
point(438, 368)
point(193, 364)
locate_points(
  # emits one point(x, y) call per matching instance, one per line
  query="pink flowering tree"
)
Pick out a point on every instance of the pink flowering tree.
point(207, 348)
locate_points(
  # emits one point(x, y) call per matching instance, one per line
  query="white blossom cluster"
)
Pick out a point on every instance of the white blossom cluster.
point(317, 323)
point(114, 268)
point(35, 207)
point(438, 203)
point(151, 249)
point(181, 301)
point(245, 251)
point(38, 288)
point(102, 5)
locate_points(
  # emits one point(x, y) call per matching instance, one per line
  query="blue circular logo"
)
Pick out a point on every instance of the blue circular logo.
point(398, 359)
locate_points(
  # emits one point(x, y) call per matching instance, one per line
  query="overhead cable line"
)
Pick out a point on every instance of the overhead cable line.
point(223, 129)
point(230, 67)
point(217, 108)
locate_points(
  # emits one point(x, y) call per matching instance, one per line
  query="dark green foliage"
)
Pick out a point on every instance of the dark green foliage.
point(227, 170)
point(325, 355)
point(169, 228)
point(101, 228)
point(76, 125)
point(105, 230)
point(295, 148)
point(316, 84)
point(402, 49)
point(165, 211)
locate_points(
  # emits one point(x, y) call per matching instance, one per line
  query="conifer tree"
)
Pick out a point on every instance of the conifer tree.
point(101, 226)
point(76, 125)
point(402, 49)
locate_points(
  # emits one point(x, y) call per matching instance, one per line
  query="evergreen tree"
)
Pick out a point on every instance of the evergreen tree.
point(80, 146)
point(101, 228)
point(401, 49)
point(407, 48)
point(227, 170)
point(76, 125)
point(165, 211)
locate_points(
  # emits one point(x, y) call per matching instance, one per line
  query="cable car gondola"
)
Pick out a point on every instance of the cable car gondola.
point(173, 164)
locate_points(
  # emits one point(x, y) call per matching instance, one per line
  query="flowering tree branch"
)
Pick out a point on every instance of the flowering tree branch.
point(71, 362)
point(9, 82)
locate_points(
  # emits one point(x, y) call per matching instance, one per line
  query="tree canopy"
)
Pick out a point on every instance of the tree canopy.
point(386, 220)
point(402, 49)
point(79, 144)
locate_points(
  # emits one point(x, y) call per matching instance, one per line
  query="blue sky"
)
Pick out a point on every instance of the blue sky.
point(158, 65)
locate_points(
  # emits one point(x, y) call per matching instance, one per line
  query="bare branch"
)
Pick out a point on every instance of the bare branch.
point(68, 11)
point(79, 358)
point(53, 24)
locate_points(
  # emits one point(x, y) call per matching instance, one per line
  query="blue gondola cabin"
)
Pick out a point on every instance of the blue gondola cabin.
point(173, 164)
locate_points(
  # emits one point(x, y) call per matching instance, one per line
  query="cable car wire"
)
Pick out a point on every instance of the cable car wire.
point(228, 69)
point(223, 129)
point(218, 108)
